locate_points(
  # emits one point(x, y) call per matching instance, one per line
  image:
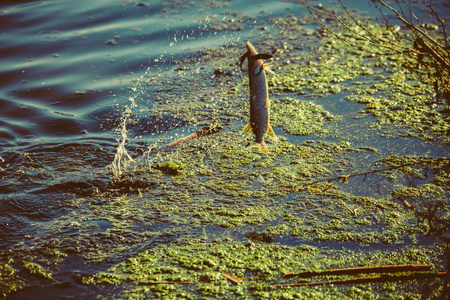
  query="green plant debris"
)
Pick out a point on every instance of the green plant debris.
point(258, 265)
point(9, 279)
point(170, 168)
point(38, 270)
point(299, 117)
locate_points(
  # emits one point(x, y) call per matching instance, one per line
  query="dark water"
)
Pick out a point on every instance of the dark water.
point(67, 72)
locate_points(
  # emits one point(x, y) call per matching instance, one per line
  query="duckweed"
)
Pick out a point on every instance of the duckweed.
point(170, 168)
point(299, 117)
point(9, 279)
point(37, 269)
point(198, 270)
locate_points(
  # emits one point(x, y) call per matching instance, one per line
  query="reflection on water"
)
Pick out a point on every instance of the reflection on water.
point(82, 84)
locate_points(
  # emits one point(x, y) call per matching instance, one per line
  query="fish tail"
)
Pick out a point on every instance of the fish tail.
point(261, 147)
point(268, 69)
point(242, 59)
point(270, 132)
point(248, 128)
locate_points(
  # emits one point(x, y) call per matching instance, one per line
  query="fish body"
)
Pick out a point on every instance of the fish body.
point(259, 96)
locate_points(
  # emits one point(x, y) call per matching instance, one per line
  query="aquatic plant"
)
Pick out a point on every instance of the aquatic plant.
point(9, 279)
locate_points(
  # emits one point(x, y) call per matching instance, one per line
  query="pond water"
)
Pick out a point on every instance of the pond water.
point(85, 88)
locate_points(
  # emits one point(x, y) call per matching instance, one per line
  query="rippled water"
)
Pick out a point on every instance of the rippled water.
point(69, 70)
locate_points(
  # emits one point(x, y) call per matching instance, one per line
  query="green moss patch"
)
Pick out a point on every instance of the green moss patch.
point(197, 270)
point(9, 279)
point(299, 117)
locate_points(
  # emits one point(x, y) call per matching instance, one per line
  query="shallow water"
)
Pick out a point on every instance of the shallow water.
point(77, 78)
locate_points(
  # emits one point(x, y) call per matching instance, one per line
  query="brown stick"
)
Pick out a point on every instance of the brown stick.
point(232, 278)
point(364, 270)
point(172, 282)
point(380, 278)
point(212, 128)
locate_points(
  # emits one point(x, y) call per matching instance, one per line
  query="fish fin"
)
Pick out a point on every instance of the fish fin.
point(261, 147)
point(248, 128)
point(267, 104)
point(270, 132)
point(268, 69)
point(260, 56)
point(242, 59)
point(256, 57)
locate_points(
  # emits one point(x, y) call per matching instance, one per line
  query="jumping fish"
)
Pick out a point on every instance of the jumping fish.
point(259, 96)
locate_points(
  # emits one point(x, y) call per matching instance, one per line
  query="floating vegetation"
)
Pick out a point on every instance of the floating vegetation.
point(402, 104)
point(169, 168)
point(37, 269)
point(9, 279)
point(258, 270)
point(430, 203)
point(299, 117)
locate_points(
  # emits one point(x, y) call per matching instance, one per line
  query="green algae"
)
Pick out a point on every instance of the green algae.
point(38, 270)
point(170, 168)
point(299, 117)
point(9, 279)
point(200, 268)
point(396, 97)
point(430, 203)
point(236, 202)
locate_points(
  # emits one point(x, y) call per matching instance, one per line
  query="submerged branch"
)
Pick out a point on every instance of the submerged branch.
point(364, 270)
point(347, 271)
point(344, 178)
point(311, 9)
point(379, 278)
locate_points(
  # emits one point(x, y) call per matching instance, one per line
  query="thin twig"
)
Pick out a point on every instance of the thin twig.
point(379, 38)
point(405, 48)
point(379, 278)
point(421, 53)
point(172, 282)
point(232, 278)
point(344, 178)
point(412, 26)
point(364, 270)
point(442, 25)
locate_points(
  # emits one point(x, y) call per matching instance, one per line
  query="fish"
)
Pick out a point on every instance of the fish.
point(259, 97)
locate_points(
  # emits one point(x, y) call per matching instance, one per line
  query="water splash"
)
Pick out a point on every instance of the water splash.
point(123, 162)
point(122, 159)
